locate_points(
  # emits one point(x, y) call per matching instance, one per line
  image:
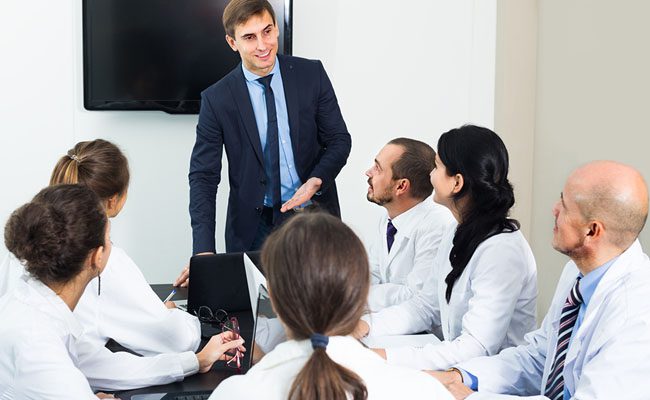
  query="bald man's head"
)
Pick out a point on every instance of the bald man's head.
point(614, 194)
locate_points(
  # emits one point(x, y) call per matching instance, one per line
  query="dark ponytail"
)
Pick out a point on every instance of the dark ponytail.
point(318, 276)
point(481, 157)
point(54, 233)
point(322, 378)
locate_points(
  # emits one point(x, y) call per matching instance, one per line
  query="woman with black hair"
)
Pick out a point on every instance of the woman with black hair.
point(481, 295)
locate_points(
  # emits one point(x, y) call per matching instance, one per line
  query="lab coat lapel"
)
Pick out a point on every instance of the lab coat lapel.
point(626, 261)
point(608, 282)
point(400, 241)
point(551, 344)
point(243, 102)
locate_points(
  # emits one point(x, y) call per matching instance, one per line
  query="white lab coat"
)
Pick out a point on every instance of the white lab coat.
point(397, 275)
point(37, 326)
point(132, 314)
point(127, 311)
point(273, 376)
point(37, 346)
point(492, 306)
point(608, 357)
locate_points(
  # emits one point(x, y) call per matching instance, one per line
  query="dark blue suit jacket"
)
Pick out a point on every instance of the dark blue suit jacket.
point(320, 140)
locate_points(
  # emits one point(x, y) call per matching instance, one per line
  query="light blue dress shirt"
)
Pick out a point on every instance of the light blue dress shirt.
point(289, 179)
point(588, 285)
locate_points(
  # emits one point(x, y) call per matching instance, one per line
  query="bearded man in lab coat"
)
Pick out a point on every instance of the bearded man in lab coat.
point(595, 340)
point(409, 231)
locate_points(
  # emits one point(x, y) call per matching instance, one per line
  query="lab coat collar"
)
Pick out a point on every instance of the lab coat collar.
point(406, 223)
point(627, 262)
point(630, 260)
point(338, 346)
point(44, 299)
point(624, 264)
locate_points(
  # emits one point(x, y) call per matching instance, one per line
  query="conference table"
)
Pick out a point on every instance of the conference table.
point(196, 382)
point(219, 372)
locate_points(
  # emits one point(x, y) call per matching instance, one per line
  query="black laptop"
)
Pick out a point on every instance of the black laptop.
point(264, 310)
point(218, 281)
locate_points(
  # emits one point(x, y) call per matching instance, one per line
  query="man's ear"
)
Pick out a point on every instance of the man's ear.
point(402, 187)
point(595, 229)
point(231, 42)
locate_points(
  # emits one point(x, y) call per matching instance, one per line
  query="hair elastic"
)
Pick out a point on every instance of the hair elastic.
point(319, 341)
point(75, 158)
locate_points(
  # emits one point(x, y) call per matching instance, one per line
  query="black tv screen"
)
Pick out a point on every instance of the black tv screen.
point(159, 54)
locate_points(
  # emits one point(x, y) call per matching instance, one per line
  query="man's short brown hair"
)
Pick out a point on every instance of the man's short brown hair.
point(415, 164)
point(239, 11)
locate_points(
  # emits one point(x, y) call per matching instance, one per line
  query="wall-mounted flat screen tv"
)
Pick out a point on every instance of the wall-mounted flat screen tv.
point(159, 54)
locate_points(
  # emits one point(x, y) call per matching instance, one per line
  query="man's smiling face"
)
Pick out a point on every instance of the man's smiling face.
point(256, 40)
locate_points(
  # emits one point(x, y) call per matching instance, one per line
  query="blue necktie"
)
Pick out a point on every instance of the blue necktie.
point(555, 383)
point(271, 150)
point(390, 234)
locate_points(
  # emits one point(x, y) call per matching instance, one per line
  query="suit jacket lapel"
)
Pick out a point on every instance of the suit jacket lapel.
point(243, 102)
point(291, 96)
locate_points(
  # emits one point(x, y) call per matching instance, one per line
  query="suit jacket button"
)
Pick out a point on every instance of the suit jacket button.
point(258, 209)
point(263, 181)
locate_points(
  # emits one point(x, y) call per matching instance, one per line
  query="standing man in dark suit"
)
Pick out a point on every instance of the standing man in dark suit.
point(282, 129)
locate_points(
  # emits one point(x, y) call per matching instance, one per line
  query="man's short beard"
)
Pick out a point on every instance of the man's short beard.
point(380, 200)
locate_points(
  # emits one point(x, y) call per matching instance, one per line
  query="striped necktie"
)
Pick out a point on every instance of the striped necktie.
point(555, 384)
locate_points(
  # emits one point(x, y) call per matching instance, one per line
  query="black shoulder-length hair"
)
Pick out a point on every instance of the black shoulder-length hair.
point(481, 157)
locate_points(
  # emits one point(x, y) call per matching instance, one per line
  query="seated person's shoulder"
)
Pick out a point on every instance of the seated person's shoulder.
point(399, 381)
point(252, 385)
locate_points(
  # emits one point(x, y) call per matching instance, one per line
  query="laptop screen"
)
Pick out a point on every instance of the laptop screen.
point(269, 331)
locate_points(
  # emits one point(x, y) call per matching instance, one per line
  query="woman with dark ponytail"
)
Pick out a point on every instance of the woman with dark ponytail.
point(318, 280)
point(483, 287)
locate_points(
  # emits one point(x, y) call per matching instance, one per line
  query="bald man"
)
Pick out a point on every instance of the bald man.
point(595, 340)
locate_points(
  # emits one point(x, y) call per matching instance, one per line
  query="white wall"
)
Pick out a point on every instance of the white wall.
point(417, 70)
point(592, 103)
point(37, 83)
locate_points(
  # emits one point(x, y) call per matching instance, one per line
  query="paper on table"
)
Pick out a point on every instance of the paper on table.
point(254, 279)
point(384, 342)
